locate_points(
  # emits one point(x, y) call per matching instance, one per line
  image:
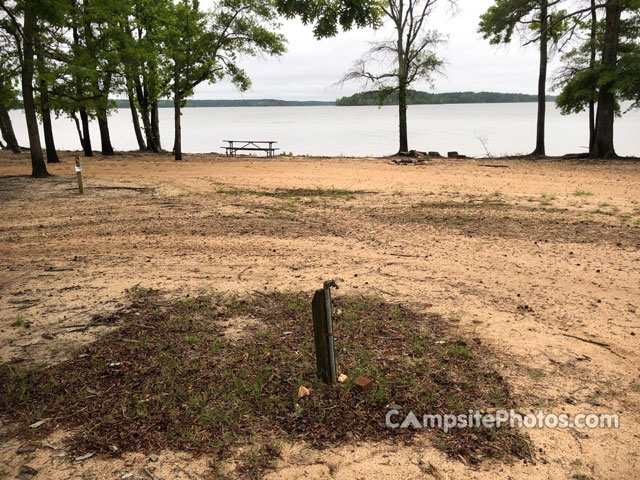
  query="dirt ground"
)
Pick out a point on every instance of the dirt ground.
point(519, 254)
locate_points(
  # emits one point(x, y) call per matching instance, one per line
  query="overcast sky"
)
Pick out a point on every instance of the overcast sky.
point(310, 68)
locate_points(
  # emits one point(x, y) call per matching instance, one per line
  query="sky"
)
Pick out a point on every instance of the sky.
point(311, 68)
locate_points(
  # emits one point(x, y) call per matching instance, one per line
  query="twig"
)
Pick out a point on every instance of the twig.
point(600, 344)
point(149, 474)
point(593, 342)
point(242, 272)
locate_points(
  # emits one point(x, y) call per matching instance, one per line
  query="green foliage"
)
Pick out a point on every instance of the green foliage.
point(580, 81)
point(502, 19)
point(199, 46)
point(328, 15)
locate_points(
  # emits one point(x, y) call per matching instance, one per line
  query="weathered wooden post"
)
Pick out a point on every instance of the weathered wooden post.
point(323, 333)
point(79, 175)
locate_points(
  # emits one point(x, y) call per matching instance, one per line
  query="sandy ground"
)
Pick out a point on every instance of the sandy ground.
point(519, 257)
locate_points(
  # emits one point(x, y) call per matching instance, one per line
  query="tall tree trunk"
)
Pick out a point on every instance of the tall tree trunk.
point(78, 128)
point(155, 125)
point(105, 136)
point(592, 63)
point(402, 90)
point(6, 127)
point(136, 120)
point(103, 121)
point(86, 133)
point(605, 117)
point(177, 100)
point(45, 110)
point(542, 79)
point(402, 114)
point(38, 167)
point(143, 101)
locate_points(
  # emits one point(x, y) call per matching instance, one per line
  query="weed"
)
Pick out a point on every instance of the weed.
point(536, 374)
point(582, 193)
point(18, 322)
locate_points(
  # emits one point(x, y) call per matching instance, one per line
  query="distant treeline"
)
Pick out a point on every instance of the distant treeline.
point(234, 103)
point(424, 98)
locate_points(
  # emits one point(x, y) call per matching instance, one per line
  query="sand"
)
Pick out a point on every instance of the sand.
point(518, 257)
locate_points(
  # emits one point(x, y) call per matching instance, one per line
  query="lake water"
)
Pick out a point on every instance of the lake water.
point(507, 129)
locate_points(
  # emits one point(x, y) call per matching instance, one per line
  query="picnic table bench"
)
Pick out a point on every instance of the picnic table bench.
point(234, 146)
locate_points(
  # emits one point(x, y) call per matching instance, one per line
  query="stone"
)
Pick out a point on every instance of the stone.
point(26, 449)
point(303, 392)
point(26, 472)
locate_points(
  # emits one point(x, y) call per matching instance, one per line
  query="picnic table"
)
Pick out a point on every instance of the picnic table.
point(234, 146)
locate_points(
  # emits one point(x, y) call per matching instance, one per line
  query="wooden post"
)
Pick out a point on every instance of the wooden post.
point(79, 175)
point(323, 334)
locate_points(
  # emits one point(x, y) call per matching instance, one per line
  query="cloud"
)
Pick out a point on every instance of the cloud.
point(310, 68)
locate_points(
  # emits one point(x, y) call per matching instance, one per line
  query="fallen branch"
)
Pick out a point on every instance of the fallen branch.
point(586, 340)
point(593, 342)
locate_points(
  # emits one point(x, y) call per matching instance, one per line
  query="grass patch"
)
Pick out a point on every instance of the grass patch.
point(294, 193)
point(334, 193)
point(168, 378)
point(582, 193)
point(536, 374)
point(547, 199)
point(18, 322)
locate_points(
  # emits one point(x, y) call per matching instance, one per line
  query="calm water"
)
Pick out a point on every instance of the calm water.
point(361, 131)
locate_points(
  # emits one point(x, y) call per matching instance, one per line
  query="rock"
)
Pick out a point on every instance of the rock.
point(303, 392)
point(364, 384)
point(26, 472)
point(342, 378)
point(26, 449)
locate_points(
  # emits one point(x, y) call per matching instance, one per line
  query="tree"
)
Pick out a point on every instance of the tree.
point(144, 80)
point(23, 34)
point(201, 46)
point(9, 73)
point(409, 57)
point(504, 18)
point(6, 127)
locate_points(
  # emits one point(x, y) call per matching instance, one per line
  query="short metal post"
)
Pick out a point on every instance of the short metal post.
point(79, 176)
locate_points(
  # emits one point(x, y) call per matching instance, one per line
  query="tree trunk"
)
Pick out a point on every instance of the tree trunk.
point(86, 133)
point(592, 64)
point(402, 113)
point(38, 167)
point(105, 136)
point(6, 127)
point(605, 117)
point(155, 126)
point(402, 90)
point(135, 119)
point(103, 121)
point(52, 155)
point(143, 101)
point(542, 79)
point(177, 143)
point(604, 146)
